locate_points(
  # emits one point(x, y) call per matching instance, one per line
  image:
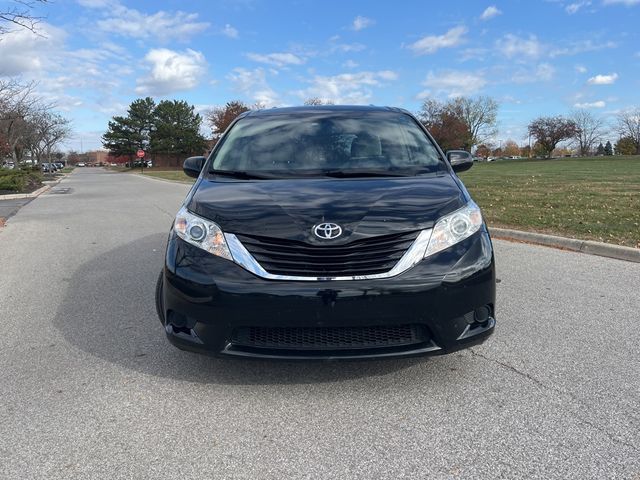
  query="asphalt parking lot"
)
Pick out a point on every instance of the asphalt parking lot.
point(90, 388)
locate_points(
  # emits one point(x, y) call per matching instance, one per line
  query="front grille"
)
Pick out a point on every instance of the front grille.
point(329, 338)
point(368, 256)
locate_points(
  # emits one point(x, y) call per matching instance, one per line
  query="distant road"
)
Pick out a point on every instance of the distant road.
point(89, 387)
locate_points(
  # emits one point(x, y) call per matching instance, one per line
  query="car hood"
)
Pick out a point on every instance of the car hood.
point(363, 207)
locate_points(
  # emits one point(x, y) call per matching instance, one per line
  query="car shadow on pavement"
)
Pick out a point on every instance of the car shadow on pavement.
point(108, 311)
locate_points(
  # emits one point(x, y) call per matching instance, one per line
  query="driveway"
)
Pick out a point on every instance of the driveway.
point(90, 388)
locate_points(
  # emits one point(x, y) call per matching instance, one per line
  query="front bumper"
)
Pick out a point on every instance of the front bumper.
point(208, 304)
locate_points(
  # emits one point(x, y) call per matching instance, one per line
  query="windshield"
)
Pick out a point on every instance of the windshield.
point(340, 144)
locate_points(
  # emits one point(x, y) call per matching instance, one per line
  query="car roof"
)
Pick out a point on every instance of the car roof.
point(321, 108)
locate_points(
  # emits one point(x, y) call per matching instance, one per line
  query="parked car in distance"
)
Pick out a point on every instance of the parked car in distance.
point(8, 165)
point(327, 232)
point(81, 164)
point(59, 165)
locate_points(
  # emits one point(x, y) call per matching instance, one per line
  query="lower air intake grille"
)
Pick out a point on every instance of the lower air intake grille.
point(329, 338)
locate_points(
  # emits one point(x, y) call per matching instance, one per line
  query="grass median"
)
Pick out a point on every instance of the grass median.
point(588, 198)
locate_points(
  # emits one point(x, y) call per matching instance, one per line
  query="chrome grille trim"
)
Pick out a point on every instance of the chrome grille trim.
point(413, 255)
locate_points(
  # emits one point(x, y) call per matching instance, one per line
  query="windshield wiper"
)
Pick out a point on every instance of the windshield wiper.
point(368, 173)
point(240, 174)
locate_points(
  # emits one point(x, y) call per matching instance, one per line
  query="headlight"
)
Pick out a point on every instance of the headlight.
point(454, 228)
point(202, 233)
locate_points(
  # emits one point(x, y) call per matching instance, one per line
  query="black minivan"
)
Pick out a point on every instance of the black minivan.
point(327, 232)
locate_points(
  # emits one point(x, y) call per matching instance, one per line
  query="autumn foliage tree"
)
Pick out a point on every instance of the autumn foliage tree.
point(625, 146)
point(629, 126)
point(550, 131)
point(219, 118)
point(444, 122)
point(460, 123)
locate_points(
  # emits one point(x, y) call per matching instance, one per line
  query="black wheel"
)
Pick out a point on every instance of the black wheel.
point(159, 307)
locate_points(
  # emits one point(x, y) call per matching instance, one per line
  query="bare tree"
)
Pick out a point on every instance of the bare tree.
point(549, 131)
point(317, 101)
point(17, 103)
point(480, 116)
point(629, 126)
point(19, 14)
point(47, 131)
point(590, 131)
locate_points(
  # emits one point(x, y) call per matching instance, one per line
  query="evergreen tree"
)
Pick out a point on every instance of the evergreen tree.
point(608, 149)
point(600, 150)
point(176, 130)
point(126, 135)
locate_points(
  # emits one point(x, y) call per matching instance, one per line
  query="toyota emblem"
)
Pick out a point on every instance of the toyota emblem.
point(327, 231)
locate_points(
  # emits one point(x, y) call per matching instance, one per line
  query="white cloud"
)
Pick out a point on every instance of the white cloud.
point(511, 46)
point(171, 71)
point(542, 73)
point(360, 23)
point(253, 84)
point(23, 51)
point(350, 64)
point(581, 69)
point(347, 47)
point(582, 47)
point(229, 31)
point(597, 104)
point(433, 43)
point(129, 22)
point(603, 79)
point(347, 88)
point(628, 3)
point(453, 83)
point(278, 59)
point(573, 8)
point(490, 12)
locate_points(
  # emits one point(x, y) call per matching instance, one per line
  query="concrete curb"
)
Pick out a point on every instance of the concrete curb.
point(15, 196)
point(584, 246)
point(47, 185)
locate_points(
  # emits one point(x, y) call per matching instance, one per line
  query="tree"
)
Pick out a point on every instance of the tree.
point(549, 131)
point(625, 146)
point(318, 101)
point(176, 130)
point(629, 126)
point(18, 103)
point(462, 122)
point(219, 118)
point(479, 115)
point(600, 149)
point(126, 135)
point(525, 151)
point(19, 14)
point(444, 122)
point(608, 148)
point(511, 149)
point(483, 151)
point(47, 130)
point(590, 131)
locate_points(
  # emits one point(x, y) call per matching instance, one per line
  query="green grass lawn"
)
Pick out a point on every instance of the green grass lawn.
point(588, 198)
point(175, 175)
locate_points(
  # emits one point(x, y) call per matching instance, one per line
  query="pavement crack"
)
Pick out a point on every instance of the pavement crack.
point(554, 389)
point(169, 214)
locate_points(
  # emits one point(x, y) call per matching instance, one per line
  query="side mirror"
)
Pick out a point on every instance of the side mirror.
point(460, 160)
point(192, 166)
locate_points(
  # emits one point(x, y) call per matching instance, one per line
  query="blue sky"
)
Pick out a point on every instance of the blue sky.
point(534, 57)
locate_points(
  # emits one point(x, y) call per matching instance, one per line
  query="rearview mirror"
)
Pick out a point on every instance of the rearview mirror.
point(460, 160)
point(193, 166)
